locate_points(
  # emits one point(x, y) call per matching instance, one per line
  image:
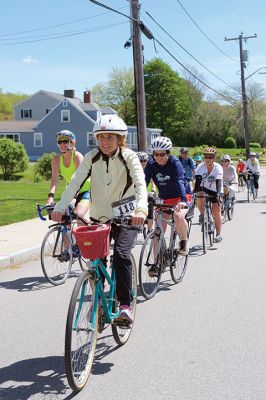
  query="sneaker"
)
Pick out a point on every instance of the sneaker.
point(218, 239)
point(64, 256)
point(201, 218)
point(125, 314)
point(183, 248)
point(153, 271)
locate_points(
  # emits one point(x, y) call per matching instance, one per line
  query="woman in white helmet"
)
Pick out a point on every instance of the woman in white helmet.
point(65, 164)
point(167, 173)
point(252, 167)
point(230, 178)
point(116, 174)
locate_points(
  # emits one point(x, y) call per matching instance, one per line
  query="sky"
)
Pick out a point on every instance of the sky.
point(85, 41)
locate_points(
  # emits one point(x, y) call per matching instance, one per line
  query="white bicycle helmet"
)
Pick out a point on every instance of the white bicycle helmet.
point(253, 154)
point(240, 160)
point(161, 143)
point(66, 134)
point(142, 155)
point(110, 123)
point(226, 157)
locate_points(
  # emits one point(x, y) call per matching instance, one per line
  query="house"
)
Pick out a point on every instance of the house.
point(39, 117)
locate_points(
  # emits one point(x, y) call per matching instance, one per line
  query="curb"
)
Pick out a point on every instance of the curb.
point(19, 257)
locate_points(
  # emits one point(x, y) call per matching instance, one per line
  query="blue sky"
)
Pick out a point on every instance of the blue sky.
point(85, 58)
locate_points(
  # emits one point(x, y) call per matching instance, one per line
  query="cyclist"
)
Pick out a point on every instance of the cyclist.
point(252, 167)
point(116, 178)
point(65, 164)
point(209, 179)
point(240, 169)
point(198, 160)
point(229, 175)
point(187, 163)
point(168, 175)
point(143, 158)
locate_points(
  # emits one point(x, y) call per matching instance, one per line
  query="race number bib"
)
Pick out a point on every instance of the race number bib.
point(124, 207)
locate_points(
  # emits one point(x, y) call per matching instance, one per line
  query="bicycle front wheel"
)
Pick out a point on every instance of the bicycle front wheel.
point(230, 211)
point(81, 333)
point(178, 268)
point(204, 230)
point(56, 255)
point(150, 265)
point(121, 333)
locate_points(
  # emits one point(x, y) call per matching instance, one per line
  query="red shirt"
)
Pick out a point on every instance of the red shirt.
point(240, 167)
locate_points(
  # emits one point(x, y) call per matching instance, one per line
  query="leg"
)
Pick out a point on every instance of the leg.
point(182, 229)
point(216, 210)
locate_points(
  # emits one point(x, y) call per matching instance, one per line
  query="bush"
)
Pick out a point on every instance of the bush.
point(43, 167)
point(13, 158)
point(230, 143)
point(255, 145)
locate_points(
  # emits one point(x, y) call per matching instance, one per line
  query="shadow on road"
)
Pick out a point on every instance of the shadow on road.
point(26, 284)
point(105, 346)
point(42, 378)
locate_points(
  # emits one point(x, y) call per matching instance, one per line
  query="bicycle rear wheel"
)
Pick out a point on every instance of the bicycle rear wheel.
point(121, 333)
point(150, 265)
point(80, 336)
point(56, 255)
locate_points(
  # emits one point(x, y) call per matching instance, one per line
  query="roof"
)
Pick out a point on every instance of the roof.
point(18, 126)
point(57, 96)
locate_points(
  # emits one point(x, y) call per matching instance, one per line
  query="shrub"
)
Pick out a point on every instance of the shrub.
point(255, 145)
point(230, 143)
point(13, 158)
point(43, 167)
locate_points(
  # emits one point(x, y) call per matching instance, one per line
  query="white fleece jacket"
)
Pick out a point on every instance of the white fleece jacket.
point(107, 183)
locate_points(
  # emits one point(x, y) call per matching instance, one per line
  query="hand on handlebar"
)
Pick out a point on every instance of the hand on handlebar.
point(138, 219)
point(56, 216)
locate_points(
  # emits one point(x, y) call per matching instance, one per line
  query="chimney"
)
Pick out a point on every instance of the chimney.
point(87, 96)
point(70, 93)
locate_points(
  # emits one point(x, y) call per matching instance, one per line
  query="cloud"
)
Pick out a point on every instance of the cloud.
point(29, 60)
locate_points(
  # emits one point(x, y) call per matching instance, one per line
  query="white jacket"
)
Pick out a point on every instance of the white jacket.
point(108, 181)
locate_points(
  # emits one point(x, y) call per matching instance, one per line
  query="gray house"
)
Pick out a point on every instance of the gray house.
point(38, 118)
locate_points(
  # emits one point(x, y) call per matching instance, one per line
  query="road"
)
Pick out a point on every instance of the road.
point(204, 339)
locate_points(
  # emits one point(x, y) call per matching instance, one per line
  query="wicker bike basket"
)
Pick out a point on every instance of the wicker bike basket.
point(93, 241)
point(226, 190)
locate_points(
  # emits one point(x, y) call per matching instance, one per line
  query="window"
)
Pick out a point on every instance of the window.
point(65, 116)
point(154, 135)
point(91, 141)
point(134, 137)
point(48, 110)
point(37, 139)
point(64, 103)
point(13, 136)
point(26, 113)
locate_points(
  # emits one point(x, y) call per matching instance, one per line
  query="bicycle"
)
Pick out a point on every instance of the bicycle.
point(227, 205)
point(251, 194)
point(91, 308)
point(207, 226)
point(59, 250)
point(156, 257)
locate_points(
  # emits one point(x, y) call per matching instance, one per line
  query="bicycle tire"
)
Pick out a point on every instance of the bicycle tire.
point(149, 284)
point(80, 338)
point(122, 334)
point(55, 266)
point(205, 233)
point(248, 194)
point(178, 267)
point(230, 211)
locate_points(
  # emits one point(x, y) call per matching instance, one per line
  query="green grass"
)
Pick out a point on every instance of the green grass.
point(18, 197)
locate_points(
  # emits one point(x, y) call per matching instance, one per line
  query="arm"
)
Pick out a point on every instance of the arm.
point(78, 159)
point(180, 181)
point(148, 174)
point(54, 179)
point(197, 183)
point(138, 177)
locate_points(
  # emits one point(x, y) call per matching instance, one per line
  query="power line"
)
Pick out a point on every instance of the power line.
point(53, 26)
point(191, 73)
point(62, 35)
point(191, 55)
point(207, 37)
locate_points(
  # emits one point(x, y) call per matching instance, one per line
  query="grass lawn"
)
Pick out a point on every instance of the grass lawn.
point(18, 197)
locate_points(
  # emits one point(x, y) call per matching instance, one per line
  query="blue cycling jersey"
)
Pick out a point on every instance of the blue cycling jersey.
point(189, 166)
point(168, 178)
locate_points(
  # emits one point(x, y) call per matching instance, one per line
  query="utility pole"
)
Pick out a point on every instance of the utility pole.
point(139, 77)
point(240, 38)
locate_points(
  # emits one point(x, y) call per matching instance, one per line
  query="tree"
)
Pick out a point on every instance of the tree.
point(43, 167)
point(167, 100)
point(117, 93)
point(13, 158)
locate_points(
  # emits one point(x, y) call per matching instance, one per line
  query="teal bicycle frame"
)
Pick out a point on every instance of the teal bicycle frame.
point(107, 298)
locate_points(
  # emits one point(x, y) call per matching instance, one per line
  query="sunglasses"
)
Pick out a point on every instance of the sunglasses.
point(62, 141)
point(209, 157)
point(143, 161)
point(159, 154)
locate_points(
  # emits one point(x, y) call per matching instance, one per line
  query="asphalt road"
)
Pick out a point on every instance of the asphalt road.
point(204, 339)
